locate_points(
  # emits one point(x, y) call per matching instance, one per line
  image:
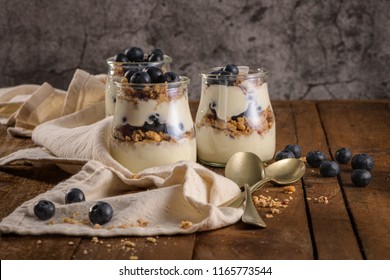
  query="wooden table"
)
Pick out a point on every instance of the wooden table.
point(354, 224)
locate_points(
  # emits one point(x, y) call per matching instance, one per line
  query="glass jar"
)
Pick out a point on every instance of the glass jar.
point(116, 71)
point(152, 125)
point(234, 115)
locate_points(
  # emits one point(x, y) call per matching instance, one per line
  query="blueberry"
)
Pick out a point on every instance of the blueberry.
point(329, 168)
point(134, 54)
point(44, 209)
point(231, 68)
point(74, 195)
point(129, 73)
point(171, 77)
point(284, 154)
point(362, 161)
point(100, 213)
point(156, 55)
point(121, 57)
point(221, 77)
point(343, 155)
point(140, 77)
point(295, 149)
point(156, 74)
point(361, 177)
point(315, 158)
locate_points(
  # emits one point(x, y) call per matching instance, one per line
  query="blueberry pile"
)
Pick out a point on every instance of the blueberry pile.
point(99, 213)
point(135, 54)
point(151, 75)
point(361, 163)
point(224, 76)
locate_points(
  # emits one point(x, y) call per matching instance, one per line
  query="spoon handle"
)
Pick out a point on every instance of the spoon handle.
point(239, 199)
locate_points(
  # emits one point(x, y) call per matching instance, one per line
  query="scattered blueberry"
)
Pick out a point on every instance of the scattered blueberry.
point(140, 77)
point(343, 155)
point(44, 209)
point(171, 77)
point(100, 213)
point(156, 55)
point(156, 74)
point(329, 168)
point(121, 57)
point(74, 195)
point(362, 161)
point(284, 154)
point(134, 54)
point(315, 158)
point(124, 119)
point(231, 68)
point(295, 149)
point(361, 177)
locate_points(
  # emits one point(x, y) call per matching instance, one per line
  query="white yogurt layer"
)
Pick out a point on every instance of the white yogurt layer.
point(216, 146)
point(141, 155)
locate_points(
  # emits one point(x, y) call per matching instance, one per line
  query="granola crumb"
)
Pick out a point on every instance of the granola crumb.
point(108, 245)
point(51, 222)
point(308, 198)
point(289, 189)
point(85, 252)
point(68, 220)
point(97, 226)
point(142, 223)
point(129, 244)
point(151, 239)
point(133, 258)
point(323, 199)
point(71, 243)
point(269, 216)
point(95, 240)
point(39, 242)
point(185, 224)
point(275, 211)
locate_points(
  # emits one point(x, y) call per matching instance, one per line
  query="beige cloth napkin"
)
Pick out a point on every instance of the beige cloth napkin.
point(178, 198)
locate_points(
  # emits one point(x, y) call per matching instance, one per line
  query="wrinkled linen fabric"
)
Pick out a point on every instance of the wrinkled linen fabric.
point(70, 129)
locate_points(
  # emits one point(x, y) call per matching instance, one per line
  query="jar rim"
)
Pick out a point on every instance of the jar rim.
point(167, 60)
point(252, 73)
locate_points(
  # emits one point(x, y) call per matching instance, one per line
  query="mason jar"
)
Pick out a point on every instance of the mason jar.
point(234, 115)
point(152, 125)
point(116, 71)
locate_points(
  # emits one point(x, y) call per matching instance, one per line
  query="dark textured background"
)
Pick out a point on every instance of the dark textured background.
point(313, 49)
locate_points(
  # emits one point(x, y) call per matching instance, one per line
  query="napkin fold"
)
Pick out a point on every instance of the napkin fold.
point(70, 129)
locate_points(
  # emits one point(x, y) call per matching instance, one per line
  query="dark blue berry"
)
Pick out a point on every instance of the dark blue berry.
point(171, 77)
point(140, 77)
point(74, 195)
point(362, 161)
point(121, 57)
point(231, 68)
point(343, 155)
point(156, 55)
point(100, 213)
point(156, 74)
point(284, 154)
point(315, 158)
point(295, 149)
point(129, 73)
point(329, 168)
point(134, 54)
point(221, 77)
point(124, 119)
point(361, 177)
point(44, 209)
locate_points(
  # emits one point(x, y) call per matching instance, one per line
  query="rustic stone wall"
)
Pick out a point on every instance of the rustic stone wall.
point(313, 49)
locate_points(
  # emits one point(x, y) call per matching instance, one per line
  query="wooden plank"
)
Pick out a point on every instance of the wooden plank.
point(333, 233)
point(364, 128)
point(287, 234)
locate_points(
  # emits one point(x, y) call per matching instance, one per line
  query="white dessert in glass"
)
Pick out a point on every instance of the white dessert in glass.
point(234, 115)
point(152, 125)
point(117, 70)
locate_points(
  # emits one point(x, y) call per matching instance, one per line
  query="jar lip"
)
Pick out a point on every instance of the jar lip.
point(183, 81)
point(167, 60)
point(252, 72)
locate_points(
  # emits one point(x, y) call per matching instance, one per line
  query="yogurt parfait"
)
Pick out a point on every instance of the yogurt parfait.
point(234, 115)
point(125, 64)
point(152, 124)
